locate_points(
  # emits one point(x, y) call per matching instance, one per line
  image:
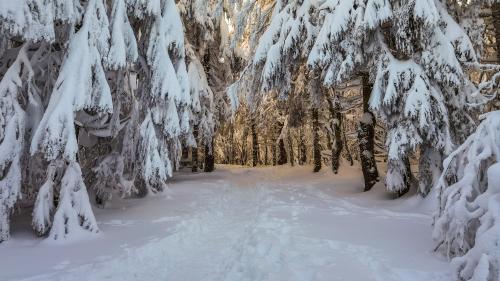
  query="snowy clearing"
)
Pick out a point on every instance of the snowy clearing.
point(243, 224)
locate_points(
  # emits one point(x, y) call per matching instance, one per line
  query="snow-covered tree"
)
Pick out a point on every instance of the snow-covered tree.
point(416, 52)
point(81, 85)
point(24, 17)
point(123, 44)
point(202, 100)
point(163, 92)
point(96, 98)
point(467, 223)
point(12, 123)
point(105, 94)
point(112, 172)
point(435, 84)
point(26, 33)
point(284, 45)
point(210, 33)
point(44, 205)
point(280, 58)
point(200, 19)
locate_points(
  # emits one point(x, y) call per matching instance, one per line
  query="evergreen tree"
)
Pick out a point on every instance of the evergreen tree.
point(81, 85)
point(12, 123)
point(466, 225)
point(76, 98)
point(112, 173)
point(202, 106)
point(416, 51)
point(164, 93)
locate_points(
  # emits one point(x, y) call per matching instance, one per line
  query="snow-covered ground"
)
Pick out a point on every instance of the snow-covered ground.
point(243, 224)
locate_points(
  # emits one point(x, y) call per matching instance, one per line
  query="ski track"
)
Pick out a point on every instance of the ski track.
point(241, 228)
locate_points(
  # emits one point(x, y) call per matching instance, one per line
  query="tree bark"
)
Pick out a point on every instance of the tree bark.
point(347, 149)
point(233, 145)
point(430, 168)
point(255, 145)
point(495, 14)
point(302, 149)
point(282, 152)
point(244, 153)
point(409, 179)
point(399, 177)
point(209, 158)
point(274, 153)
point(336, 115)
point(316, 146)
point(194, 151)
point(366, 138)
point(266, 153)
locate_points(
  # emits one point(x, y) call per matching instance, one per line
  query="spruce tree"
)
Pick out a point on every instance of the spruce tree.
point(466, 225)
point(416, 52)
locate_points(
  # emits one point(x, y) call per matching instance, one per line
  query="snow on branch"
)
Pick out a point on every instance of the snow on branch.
point(74, 213)
point(12, 123)
point(81, 85)
point(123, 47)
point(287, 38)
point(467, 223)
point(402, 87)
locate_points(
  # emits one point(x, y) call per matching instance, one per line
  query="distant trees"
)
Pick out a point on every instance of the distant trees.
point(400, 48)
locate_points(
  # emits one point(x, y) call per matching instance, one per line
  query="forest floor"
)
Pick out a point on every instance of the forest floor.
point(275, 224)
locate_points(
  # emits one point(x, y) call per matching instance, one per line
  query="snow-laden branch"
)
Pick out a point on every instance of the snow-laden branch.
point(467, 223)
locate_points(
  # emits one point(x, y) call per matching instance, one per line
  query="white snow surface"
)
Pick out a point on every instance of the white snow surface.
point(281, 223)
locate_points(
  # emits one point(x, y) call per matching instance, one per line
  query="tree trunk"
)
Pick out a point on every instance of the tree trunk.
point(430, 168)
point(290, 145)
point(244, 153)
point(366, 138)
point(329, 142)
point(233, 145)
point(302, 149)
point(399, 177)
point(347, 149)
point(495, 14)
point(274, 153)
point(336, 115)
point(282, 152)
point(316, 146)
point(266, 154)
point(209, 158)
point(194, 151)
point(255, 145)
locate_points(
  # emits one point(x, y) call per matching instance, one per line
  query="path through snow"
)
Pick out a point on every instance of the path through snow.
point(244, 224)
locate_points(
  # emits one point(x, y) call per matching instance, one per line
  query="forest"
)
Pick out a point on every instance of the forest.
point(106, 101)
